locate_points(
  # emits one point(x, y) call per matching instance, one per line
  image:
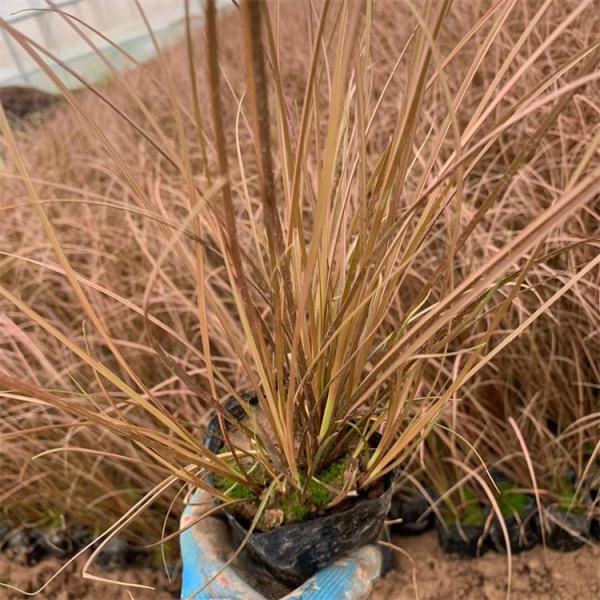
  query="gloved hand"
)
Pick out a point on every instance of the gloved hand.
point(205, 548)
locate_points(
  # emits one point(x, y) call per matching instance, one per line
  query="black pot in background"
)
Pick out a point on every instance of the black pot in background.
point(26, 547)
point(464, 541)
point(566, 531)
point(388, 556)
point(4, 535)
point(415, 512)
point(293, 553)
point(522, 532)
point(65, 542)
point(595, 529)
point(119, 554)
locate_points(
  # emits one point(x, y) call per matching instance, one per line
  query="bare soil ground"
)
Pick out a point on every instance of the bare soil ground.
point(70, 585)
point(537, 575)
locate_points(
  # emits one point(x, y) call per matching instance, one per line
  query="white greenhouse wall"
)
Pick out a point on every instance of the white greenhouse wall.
point(119, 20)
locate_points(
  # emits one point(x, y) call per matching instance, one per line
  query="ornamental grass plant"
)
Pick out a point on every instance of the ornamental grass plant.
point(371, 225)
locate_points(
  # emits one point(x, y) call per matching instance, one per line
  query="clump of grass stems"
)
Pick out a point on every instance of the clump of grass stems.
point(304, 249)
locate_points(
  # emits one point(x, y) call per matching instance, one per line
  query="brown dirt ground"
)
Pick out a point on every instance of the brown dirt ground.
point(537, 575)
point(70, 585)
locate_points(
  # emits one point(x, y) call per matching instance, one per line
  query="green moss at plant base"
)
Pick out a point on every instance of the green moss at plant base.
point(468, 512)
point(510, 501)
point(321, 490)
point(232, 489)
point(473, 515)
point(331, 477)
point(294, 511)
point(569, 502)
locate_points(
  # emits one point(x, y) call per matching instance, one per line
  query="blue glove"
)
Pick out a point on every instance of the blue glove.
point(205, 549)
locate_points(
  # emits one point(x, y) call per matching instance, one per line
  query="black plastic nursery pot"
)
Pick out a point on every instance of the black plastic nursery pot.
point(566, 531)
point(464, 540)
point(27, 547)
point(595, 529)
point(30, 546)
point(119, 553)
point(65, 542)
point(413, 513)
point(595, 526)
point(293, 553)
point(522, 530)
point(4, 534)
